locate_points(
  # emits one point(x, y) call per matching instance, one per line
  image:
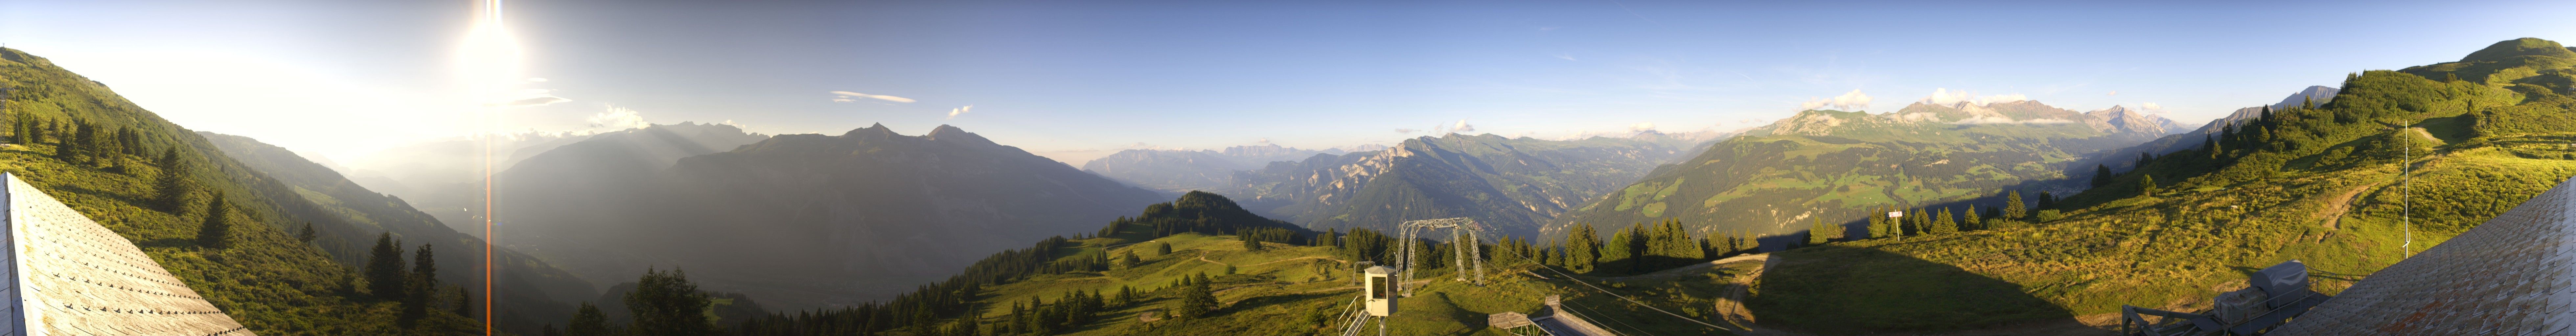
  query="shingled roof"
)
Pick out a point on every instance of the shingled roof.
point(69, 276)
point(2509, 276)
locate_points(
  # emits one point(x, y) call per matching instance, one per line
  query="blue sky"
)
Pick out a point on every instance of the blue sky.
point(1076, 79)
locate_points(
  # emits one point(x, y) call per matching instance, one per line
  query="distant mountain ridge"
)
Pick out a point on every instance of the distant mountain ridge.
point(1511, 184)
point(1185, 170)
point(1837, 166)
point(802, 221)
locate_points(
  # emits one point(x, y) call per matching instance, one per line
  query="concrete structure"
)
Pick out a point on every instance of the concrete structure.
point(2509, 276)
point(68, 276)
point(1381, 290)
point(1557, 321)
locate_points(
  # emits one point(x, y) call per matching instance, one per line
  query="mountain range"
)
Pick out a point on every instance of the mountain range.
point(1510, 184)
point(1186, 170)
point(1837, 166)
point(796, 221)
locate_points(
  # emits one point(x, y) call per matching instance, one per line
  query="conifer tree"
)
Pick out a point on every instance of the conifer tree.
point(1162, 249)
point(1943, 224)
point(667, 304)
point(2146, 185)
point(1196, 300)
point(2101, 175)
point(2013, 206)
point(306, 234)
point(385, 268)
point(464, 302)
point(1816, 233)
point(424, 278)
point(1973, 222)
point(217, 231)
point(174, 183)
point(1582, 248)
point(588, 321)
point(1617, 256)
point(2046, 201)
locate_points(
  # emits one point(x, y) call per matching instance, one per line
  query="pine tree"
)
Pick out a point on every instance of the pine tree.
point(2146, 185)
point(1331, 238)
point(2013, 206)
point(2047, 201)
point(422, 287)
point(306, 234)
point(1162, 249)
point(1196, 300)
point(2101, 175)
point(1943, 224)
point(1583, 248)
point(424, 271)
point(174, 183)
point(1973, 222)
point(667, 304)
point(1616, 256)
point(464, 302)
point(1816, 233)
point(588, 321)
point(1250, 242)
point(385, 268)
point(217, 231)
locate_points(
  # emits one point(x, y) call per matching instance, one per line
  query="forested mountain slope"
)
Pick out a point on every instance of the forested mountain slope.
point(157, 184)
point(2320, 185)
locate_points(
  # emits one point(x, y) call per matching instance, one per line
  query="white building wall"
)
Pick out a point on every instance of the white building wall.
point(72, 277)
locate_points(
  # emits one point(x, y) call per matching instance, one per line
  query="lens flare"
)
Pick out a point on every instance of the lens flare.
point(489, 64)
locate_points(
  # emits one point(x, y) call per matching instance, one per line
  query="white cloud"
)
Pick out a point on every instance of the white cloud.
point(618, 118)
point(847, 94)
point(1853, 101)
point(844, 100)
point(536, 79)
point(1406, 130)
point(1462, 127)
point(539, 100)
point(1563, 56)
point(1642, 127)
point(952, 113)
point(2113, 93)
point(1943, 96)
point(2151, 106)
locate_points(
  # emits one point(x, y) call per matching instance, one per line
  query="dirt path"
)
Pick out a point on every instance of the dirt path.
point(1676, 271)
point(2336, 207)
point(1297, 258)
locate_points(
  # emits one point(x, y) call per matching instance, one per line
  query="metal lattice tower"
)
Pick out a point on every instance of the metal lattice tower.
point(1464, 241)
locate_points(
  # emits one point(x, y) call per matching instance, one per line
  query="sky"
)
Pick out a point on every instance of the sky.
point(1075, 80)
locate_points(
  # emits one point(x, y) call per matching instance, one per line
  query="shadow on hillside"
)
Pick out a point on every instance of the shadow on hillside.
point(1834, 289)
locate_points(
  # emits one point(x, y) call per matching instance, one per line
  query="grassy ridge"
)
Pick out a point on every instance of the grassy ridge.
point(2318, 185)
point(269, 281)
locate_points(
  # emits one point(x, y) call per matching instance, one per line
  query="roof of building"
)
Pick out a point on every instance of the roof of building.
point(2508, 276)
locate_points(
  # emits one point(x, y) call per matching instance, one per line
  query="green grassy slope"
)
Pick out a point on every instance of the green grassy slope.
point(1292, 290)
point(269, 281)
point(531, 292)
point(1838, 166)
point(2317, 185)
point(1277, 289)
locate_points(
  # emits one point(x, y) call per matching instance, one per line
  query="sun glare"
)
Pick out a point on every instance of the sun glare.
point(489, 64)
